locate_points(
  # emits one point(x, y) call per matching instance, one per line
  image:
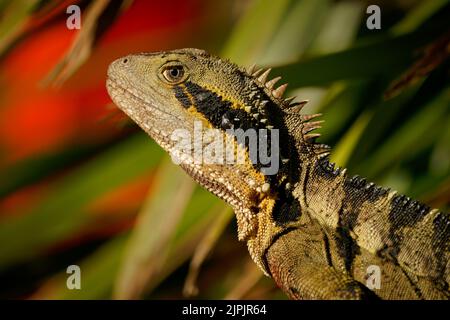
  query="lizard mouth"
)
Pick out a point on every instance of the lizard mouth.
point(142, 112)
point(128, 100)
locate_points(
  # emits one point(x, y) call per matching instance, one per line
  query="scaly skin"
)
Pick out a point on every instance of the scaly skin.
point(309, 226)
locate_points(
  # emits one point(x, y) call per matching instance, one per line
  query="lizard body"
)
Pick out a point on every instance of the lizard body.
point(312, 228)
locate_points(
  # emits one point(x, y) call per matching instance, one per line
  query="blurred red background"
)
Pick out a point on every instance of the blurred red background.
point(39, 119)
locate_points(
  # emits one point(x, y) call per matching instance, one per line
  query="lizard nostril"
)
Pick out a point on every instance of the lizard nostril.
point(125, 61)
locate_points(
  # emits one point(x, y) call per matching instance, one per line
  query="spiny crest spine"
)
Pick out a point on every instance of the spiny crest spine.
point(289, 105)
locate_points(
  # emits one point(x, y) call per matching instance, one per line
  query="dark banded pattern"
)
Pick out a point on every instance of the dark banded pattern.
point(216, 109)
point(182, 97)
point(404, 212)
point(357, 191)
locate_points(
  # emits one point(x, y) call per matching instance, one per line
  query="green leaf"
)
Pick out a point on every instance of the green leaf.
point(341, 105)
point(33, 170)
point(382, 58)
point(149, 242)
point(338, 29)
point(415, 134)
point(198, 216)
point(13, 20)
point(61, 213)
point(418, 15)
point(205, 246)
point(254, 30)
point(344, 149)
point(98, 272)
point(296, 32)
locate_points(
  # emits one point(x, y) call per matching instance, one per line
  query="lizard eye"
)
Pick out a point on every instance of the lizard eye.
point(174, 74)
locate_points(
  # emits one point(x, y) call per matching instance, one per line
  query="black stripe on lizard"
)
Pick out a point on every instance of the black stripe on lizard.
point(220, 113)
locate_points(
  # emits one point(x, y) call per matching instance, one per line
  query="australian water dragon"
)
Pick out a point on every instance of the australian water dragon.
point(312, 228)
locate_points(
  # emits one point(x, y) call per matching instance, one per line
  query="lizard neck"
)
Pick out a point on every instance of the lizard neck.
point(359, 216)
point(339, 203)
point(324, 194)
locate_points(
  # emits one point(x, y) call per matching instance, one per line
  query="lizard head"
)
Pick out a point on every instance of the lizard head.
point(221, 123)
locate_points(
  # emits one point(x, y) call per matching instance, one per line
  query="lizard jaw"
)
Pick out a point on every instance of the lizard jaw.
point(129, 101)
point(211, 181)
